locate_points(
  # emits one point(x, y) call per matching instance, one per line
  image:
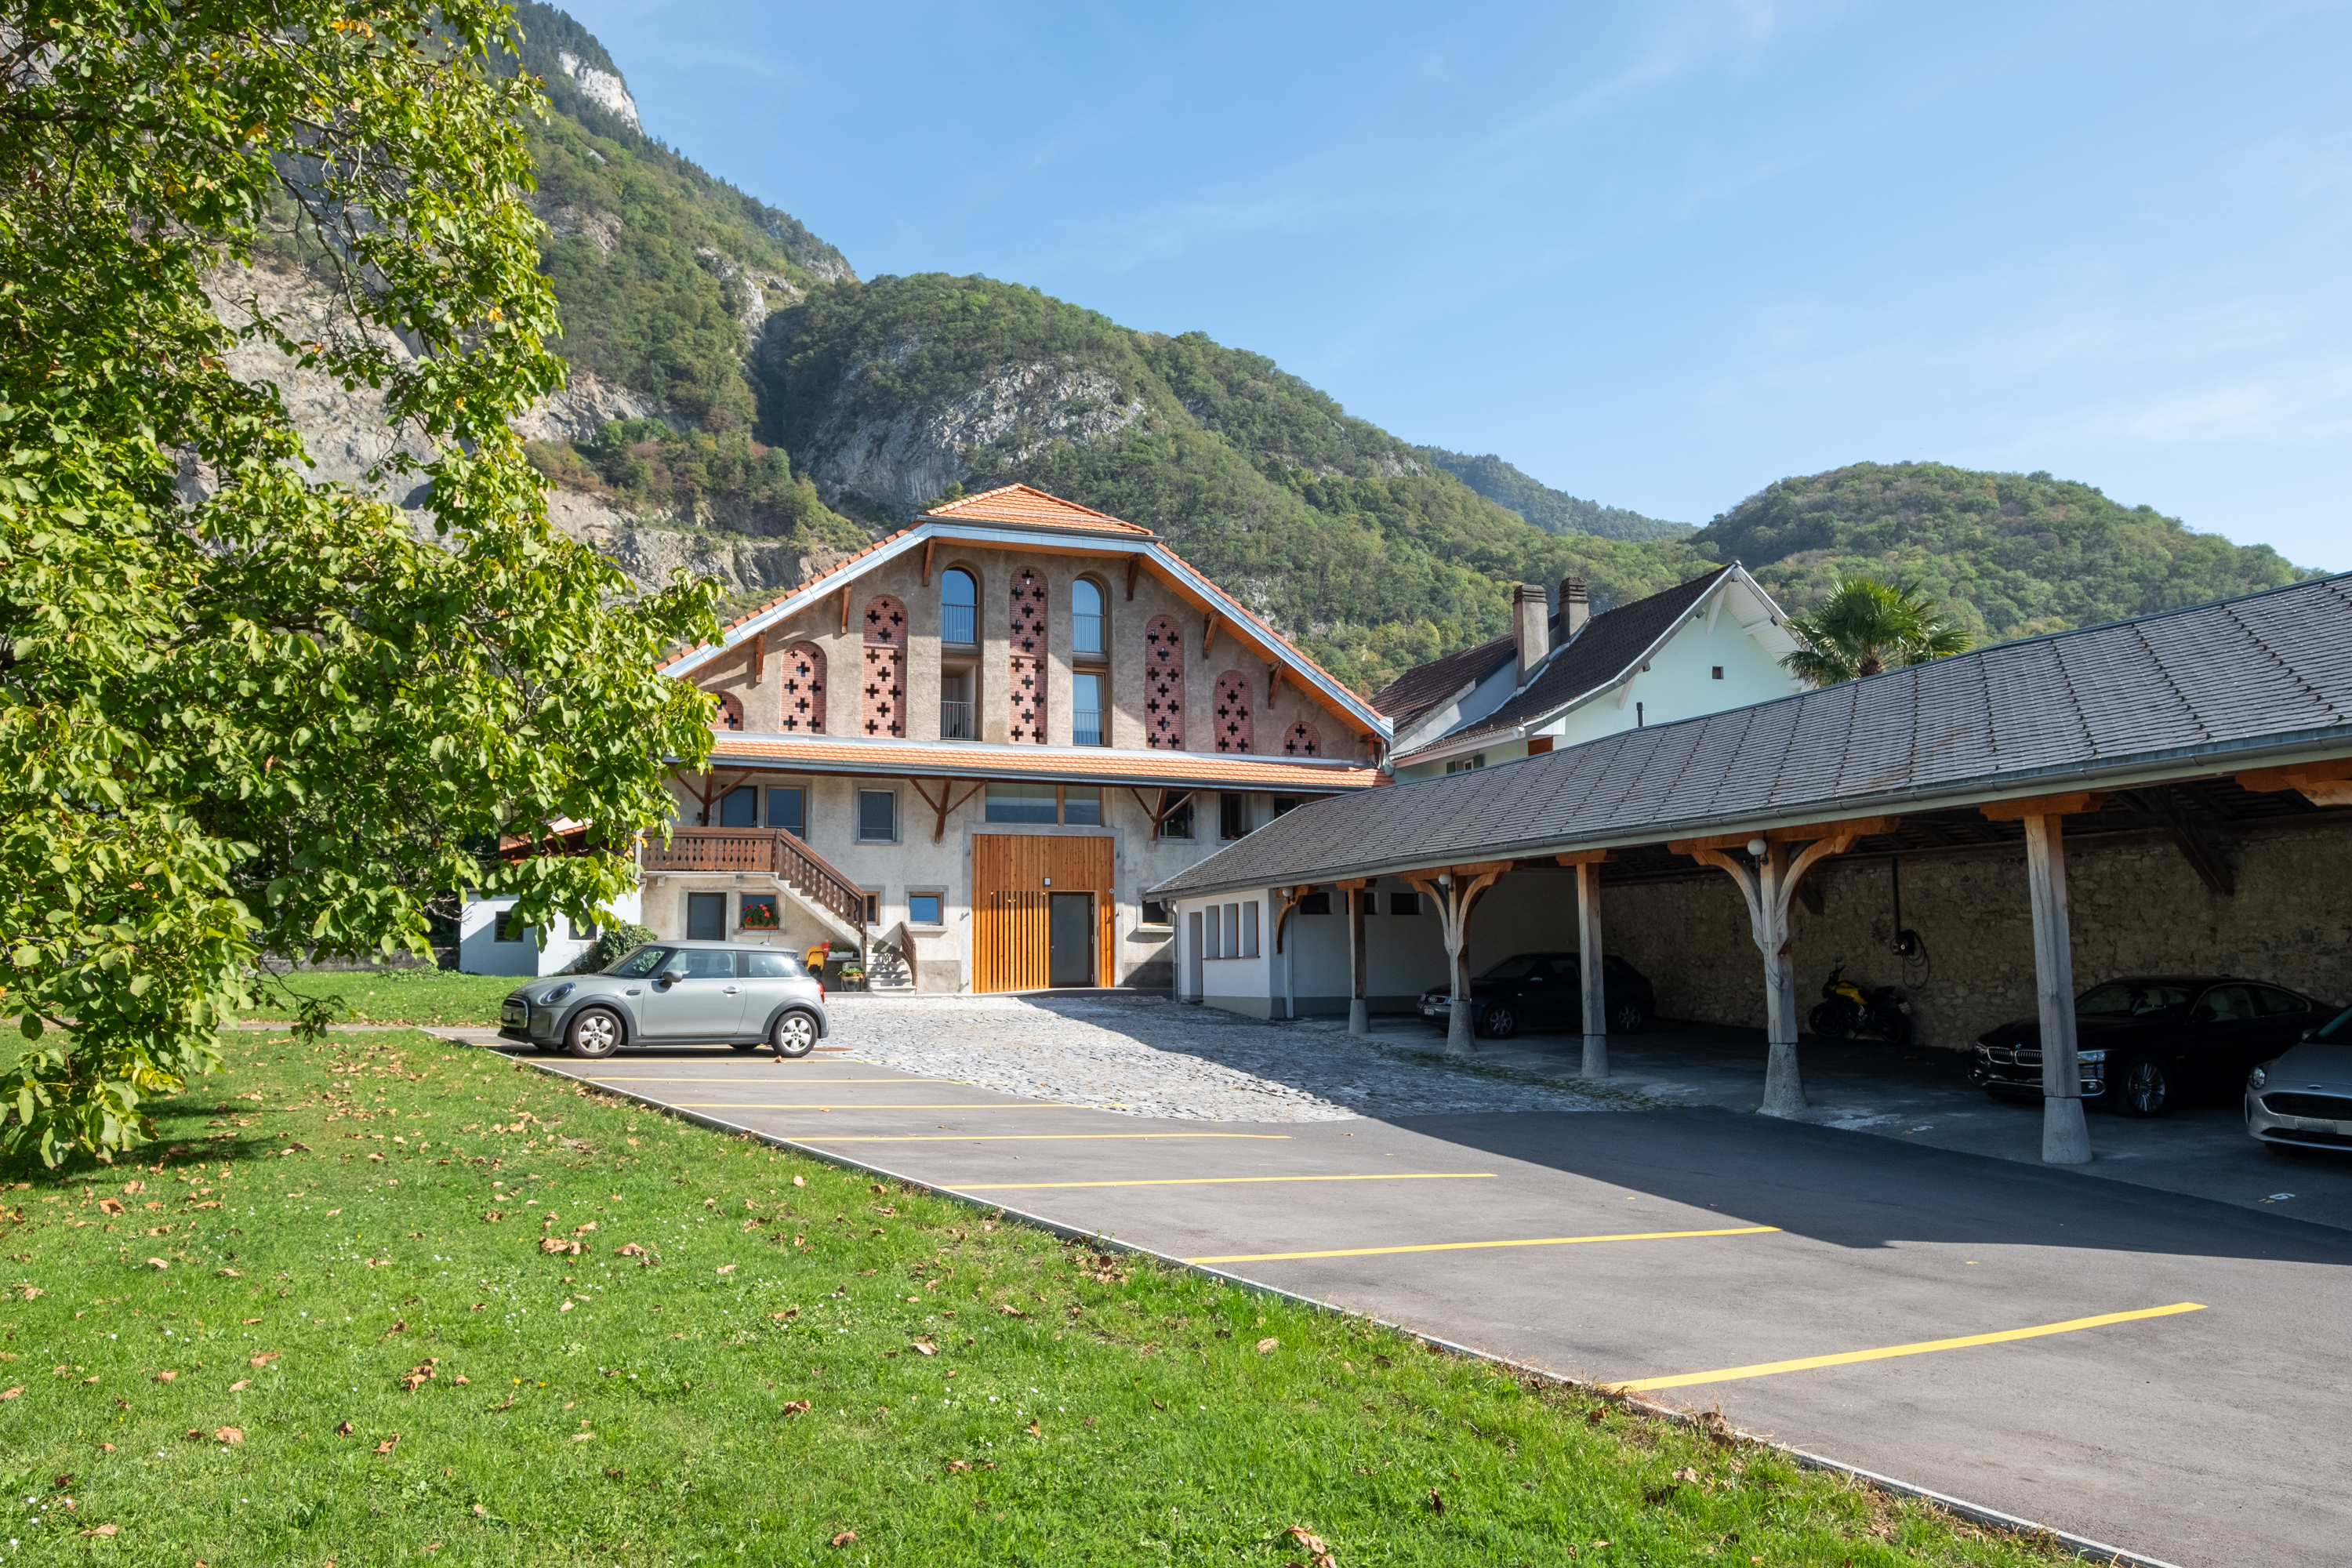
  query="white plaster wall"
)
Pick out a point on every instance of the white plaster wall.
point(479, 952)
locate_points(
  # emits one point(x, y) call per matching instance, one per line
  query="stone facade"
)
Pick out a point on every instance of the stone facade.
point(2137, 908)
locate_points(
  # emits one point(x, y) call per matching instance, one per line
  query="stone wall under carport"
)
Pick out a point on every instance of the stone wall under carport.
point(2137, 908)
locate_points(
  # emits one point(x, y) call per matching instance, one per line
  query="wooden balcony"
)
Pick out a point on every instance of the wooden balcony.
point(761, 851)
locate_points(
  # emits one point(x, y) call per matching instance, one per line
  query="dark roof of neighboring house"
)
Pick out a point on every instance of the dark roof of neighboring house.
point(2231, 685)
point(1610, 644)
point(1424, 686)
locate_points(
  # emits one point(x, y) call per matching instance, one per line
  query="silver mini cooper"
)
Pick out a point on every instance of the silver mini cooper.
point(674, 993)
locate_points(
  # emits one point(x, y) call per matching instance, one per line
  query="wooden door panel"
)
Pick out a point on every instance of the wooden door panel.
point(1009, 872)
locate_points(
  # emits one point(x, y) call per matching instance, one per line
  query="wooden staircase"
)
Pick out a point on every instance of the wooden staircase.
point(806, 876)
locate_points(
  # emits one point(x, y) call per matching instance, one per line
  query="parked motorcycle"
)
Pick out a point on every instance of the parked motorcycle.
point(1846, 1008)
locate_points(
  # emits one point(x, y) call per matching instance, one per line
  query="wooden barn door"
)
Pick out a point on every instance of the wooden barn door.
point(1009, 938)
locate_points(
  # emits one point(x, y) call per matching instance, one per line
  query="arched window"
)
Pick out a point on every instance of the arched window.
point(883, 689)
point(959, 607)
point(1301, 740)
point(1163, 684)
point(803, 689)
point(1233, 712)
point(1086, 617)
point(730, 711)
point(1025, 696)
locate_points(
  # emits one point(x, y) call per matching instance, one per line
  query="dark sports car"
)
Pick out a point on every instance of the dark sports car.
point(1545, 991)
point(2146, 1041)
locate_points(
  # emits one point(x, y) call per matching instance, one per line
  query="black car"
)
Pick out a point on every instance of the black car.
point(2146, 1041)
point(1545, 991)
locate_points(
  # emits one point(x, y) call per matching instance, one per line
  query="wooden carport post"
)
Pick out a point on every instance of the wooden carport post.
point(1589, 960)
point(1456, 890)
point(1359, 1013)
point(2065, 1140)
point(1770, 882)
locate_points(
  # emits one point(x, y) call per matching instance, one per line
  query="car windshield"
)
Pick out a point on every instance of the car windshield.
point(644, 961)
point(2129, 998)
point(1518, 968)
point(2338, 1028)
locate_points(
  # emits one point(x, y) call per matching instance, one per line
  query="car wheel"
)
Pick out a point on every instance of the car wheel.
point(1500, 1023)
point(596, 1032)
point(1629, 1018)
point(794, 1035)
point(2143, 1089)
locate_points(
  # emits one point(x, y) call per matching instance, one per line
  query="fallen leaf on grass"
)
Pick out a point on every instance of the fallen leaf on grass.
point(101, 1530)
point(630, 1249)
point(157, 1263)
point(240, 1385)
point(796, 1406)
point(1686, 1474)
point(799, 1181)
point(110, 1205)
point(924, 1346)
point(1437, 1503)
point(954, 1465)
point(343, 1429)
point(1268, 1346)
point(12, 1393)
point(390, 1443)
point(1012, 1311)
point(249, 1322)
point(229, 1435)
point(844, 1538)
point(726, 1268)
point(264, 1359)
point(166, 1376)
point(1034, 1432)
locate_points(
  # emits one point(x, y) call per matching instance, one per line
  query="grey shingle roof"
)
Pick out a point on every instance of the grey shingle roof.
point(2227, 683)
point(1424, 686)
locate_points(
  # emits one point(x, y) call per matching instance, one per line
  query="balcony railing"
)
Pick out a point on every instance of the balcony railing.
point(764, 851)
point(955, 624)
point(955, 720)
point(1086, 728)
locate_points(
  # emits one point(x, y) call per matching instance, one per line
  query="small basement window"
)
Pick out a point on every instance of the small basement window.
point(506, 928)
point(1155, 913)
point(1719, 673)
point(759, 912)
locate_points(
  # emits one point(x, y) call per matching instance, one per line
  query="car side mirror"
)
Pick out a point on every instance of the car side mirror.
point(672, 976)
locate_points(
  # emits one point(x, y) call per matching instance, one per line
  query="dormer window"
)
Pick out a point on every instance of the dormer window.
point(958, 609)
point(1086, 618)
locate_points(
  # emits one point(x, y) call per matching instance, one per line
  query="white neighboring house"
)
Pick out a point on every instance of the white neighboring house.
point(491, 941)
point(1563, 676)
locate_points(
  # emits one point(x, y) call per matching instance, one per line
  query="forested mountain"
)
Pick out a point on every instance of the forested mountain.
point(1554, 511)
point(745, 404)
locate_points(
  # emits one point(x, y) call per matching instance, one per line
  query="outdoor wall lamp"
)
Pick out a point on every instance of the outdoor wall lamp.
point(1445, 878)
point(1755, 848)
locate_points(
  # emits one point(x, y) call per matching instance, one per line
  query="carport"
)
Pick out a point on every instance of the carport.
point(2190, 772)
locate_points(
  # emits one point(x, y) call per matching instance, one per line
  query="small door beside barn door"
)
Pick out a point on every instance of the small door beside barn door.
point(1070, 939)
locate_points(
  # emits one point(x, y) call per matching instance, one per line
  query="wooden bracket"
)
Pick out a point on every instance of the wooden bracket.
point(2322, 784)
point(1208, 634)
point(1134, 570)
point(929, 545)
point(2074, 805)
point(1282, 916)
point(1586, 857)
point(759, 656)
point(845, 609)
point(1168, 801)
point(1273, 684)
point(945, 802)
point(1850, 829)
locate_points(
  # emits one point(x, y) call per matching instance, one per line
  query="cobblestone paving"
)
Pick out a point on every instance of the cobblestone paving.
point(1146, 1055)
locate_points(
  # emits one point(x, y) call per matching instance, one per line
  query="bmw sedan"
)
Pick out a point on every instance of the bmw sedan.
point(674, 993)
point(2146, 1041)
point(2304, 1099)
point(1545, 991)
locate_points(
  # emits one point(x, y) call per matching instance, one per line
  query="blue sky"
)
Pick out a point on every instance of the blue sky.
point(1656, 254)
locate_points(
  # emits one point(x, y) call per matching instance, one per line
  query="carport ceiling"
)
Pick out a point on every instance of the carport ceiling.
point(2198, 815)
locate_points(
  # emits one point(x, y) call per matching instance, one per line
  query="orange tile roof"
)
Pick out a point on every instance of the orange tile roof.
point(1082, 763)
point(1023, 504)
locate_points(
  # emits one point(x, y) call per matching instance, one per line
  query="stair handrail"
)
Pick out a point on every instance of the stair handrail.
point(831, 890)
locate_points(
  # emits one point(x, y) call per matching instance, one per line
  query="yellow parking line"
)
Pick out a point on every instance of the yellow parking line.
point(1229, 1181)
point(836, 1105)
point(653, 1077)
point(1026, 1137)
point(1766, 1369)
point(1472, 1246)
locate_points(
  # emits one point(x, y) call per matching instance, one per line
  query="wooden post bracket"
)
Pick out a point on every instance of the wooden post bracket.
point(945, 802)
point(1134, 570)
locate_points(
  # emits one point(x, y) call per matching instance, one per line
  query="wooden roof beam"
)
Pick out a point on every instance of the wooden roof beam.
point(2076, 804)
point(1851, 828)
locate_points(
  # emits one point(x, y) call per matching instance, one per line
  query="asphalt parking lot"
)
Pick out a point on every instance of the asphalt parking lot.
point(2156, 1371)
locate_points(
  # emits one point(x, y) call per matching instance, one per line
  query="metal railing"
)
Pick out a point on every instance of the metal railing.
point(955, 720)
point(1086, 728)
point(769, 851)
point(1086, 634)
point(955, 624)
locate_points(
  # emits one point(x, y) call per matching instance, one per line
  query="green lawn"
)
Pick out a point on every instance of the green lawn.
point(343, 1320)
point(394, 995)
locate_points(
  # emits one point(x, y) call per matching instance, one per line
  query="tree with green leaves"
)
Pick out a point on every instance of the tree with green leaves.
point(1866, 626)
point(243, 711)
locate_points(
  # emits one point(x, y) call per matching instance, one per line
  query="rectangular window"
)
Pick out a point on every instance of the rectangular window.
point(740, 807)
point(1284, 805)
point(706, 917)
point(1249, 928)
point(1233, 946)
point(786, 808)
point(584, 930)
point(874, 909)
point(1179, 823)
point(506, 928)
point(1212, 937)
point(1464, 764)
point(1405, 903)
point(1082, 806)
point(923, 909)
point(1538, 745)
point(955, 625)
point(759, 912)
point(877, 817)
point(1232, 816)
point(1020, 803)
point(955, 705)
point(1315, 904)
point(1155, 913)
point(1085, 709)
point(1719, 673)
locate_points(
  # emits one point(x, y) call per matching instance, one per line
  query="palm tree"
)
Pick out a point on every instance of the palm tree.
point(1865, 628)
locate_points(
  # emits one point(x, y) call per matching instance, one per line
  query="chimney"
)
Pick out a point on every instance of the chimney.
point(1531, 626)
point(1575, 609)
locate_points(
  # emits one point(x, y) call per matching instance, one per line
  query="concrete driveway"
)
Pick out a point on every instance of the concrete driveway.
point(2161, 1371)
